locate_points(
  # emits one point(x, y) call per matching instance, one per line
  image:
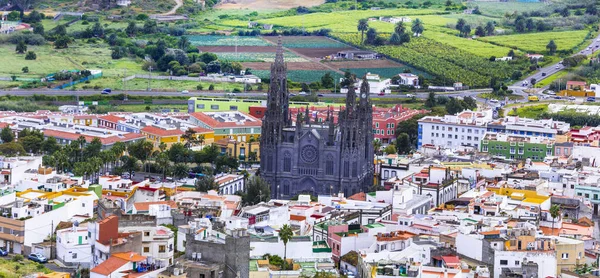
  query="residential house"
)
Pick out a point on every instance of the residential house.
point(126, 264)
point(158, 135)
point(73, 246)
point(409, 79)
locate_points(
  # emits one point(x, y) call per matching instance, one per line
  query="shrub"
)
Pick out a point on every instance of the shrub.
point(17, 258)
point(30, 55)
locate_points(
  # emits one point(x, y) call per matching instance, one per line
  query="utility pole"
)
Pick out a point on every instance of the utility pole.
point(149, 78)
point(51, 234)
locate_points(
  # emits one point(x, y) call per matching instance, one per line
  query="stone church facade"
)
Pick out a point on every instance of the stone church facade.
point(315, 158)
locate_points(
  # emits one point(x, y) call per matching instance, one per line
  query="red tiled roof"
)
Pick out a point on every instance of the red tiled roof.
point(162, 132)
point(144, 206)
point(210, 121)
point(360, 196)
point(451, 259)
point(3, 125)
point(109, 266)
point(297, 217)
point(201, 130)
point(105, 141)
point(111, 118)
point(129, 256)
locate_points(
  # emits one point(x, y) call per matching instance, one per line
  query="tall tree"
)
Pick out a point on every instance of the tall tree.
point(417, 27)
point(129, 164)
point(430, 101)
point(554, 213)
point(371, 36)
point(206, 183)
point(551, 47)
point(285, 234)
point(403, 144)
point(131, 29)
point(6, 135)
point(489, 28)
point(21, 47)
point(460, 24)
point(183, 43)
point(163, 163)
point(454, 106)
point(363, 25)
point(98, 30)
point(180, 171)
point(399, 28)
point(466, 30)
point(257, 191)
point(141, 150)
point(479, 31)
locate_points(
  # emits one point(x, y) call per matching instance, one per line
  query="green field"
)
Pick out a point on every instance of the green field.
point(164, 85)
point(472, 46)
point(342, 21)
point(547, 81)
point(226, 41)
point(257, 57)
point(299, 75)
point(311, 42)
point(498, 9)
point(529, 111)
point(12, 269)
point(536, 42)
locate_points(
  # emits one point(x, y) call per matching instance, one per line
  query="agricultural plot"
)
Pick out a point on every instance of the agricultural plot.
point(304, 76)
point(441, 60)
point(342, 21)
point(319, 53)
point(381, 63)
point(290, 66)
point(475, 47)
point(536, 42)
point(211, 40)
point(500, 8)
point(307, 42)
point(219, 48)
point(383, 72)
point(257, 57)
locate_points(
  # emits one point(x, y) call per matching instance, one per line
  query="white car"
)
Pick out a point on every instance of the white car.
point(302, 93)
point(410, 95)
point(557, 67)
point(185, 92)
point(493, 100)
point(571, 98)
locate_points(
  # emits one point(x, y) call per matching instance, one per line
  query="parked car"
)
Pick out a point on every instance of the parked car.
point(320, 95)
point(106, 91)
point(410, 95)
point(382, 94)
point(3, 252)
point(302, 93)
point(292, 95)
point(557, 97)
point(591, 99)
point(571, 98)
point(493, 100)
point(37, 257)
point(185, 92)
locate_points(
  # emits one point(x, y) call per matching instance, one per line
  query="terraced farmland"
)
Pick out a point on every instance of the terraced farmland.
point(210, 40)
point(536, 42)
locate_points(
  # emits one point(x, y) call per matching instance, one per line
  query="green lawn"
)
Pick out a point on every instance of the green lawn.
point(163, 85)
point(531, 111)
point(547, 81)
point(11, 269)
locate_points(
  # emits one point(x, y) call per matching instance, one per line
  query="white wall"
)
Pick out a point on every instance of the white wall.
point(460, 134)
point(83, 254)
point(469, 246)
point(546, 261)
point(297, 250)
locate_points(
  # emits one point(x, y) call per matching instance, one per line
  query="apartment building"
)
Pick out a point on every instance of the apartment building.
point(519, 147)
point(453, 131)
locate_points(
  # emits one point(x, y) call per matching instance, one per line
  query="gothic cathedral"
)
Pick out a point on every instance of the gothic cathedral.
point(318, 158)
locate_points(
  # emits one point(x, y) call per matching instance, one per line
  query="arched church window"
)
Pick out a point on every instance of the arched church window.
point(287, 162)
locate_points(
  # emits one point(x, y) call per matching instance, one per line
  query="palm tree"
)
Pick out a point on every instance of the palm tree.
point(417, 27)
point(81, 145)
point(190, 137)
point(285, 234)
point(363, 25)
point(201, 139)
point(376, 146)
point(162, 163)
point(399, 28)
point(554, 213)
point(162, 146)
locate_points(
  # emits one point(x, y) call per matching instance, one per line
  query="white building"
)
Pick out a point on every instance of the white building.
point(13, 168)
point(29, 217)
point(73, 246)
point(158, 243)
point(409, 79)
point(112, 182)
point(454, 131)
point(377, 85)
point(545, 260)
point(230, 183)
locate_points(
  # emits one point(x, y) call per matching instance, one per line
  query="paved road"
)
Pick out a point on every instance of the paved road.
point(205, 94)
point(554, 68)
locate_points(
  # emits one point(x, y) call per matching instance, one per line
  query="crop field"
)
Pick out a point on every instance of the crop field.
point(290, 66)
point(211, 40)
point(536, 42)
point(342, 21)
point(319, 53)
point(220, 48)
point(300, 75)
point(257, 57)
point(500, 8)
point(380, 63)
point(307, 42)
point(475, 47)
point(383, 72)
point(444, 61)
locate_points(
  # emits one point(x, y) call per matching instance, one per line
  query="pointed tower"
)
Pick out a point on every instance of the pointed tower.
point(276, 116)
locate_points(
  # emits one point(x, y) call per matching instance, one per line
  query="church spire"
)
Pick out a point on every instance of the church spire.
point(364, 92)
point(350, 97)
point(279, 52)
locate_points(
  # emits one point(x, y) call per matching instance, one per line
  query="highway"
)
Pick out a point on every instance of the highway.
point(208, 94)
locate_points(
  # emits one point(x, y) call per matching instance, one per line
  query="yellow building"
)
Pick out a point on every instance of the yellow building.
point(158, 135)
point(569, 253)
point(204, 136)
point(241, 150)
point(232, 125)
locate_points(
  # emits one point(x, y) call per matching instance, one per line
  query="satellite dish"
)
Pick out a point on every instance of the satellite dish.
point(76, 223)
